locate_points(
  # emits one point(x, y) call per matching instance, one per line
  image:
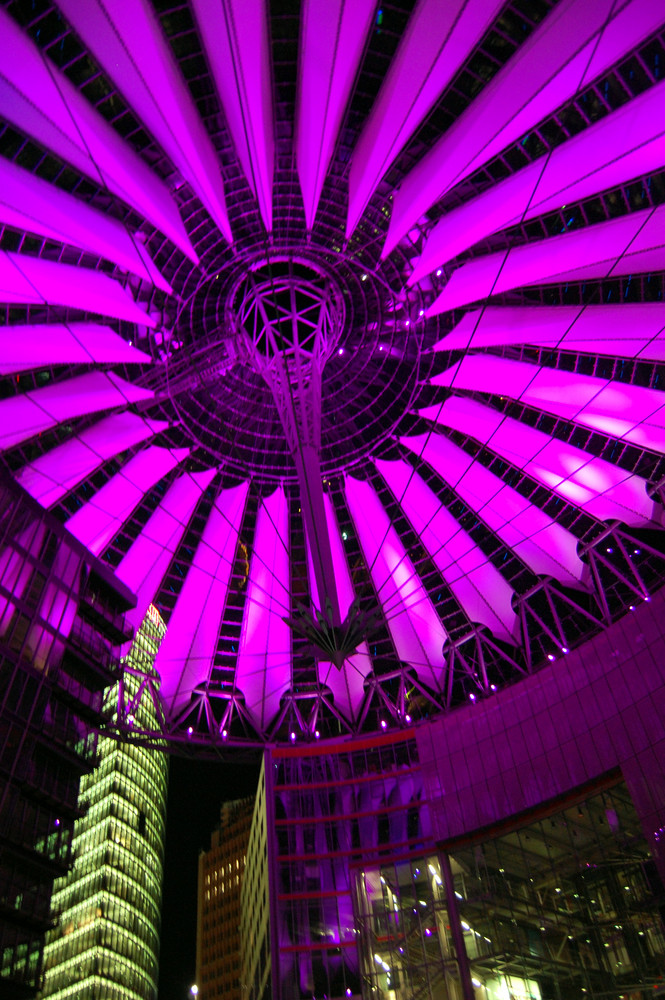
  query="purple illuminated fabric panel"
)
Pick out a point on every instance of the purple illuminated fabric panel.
point(263, 670)
point(605, 491)
point(187, 652)
point(633, 243)
point(25, 347)
point(32, 280)
point(98, 521)
point(438, 38)
point(146, 562)
point(478, 586)
point(346, 684)
point(414, 625)
point(30, 203)
point(628, 143)
point(628, 412)
point(127, 41)
point(57, 472)
point(40, 100)
point(23, 416)
point(575, 43)
point(631, 330)
point(235, 39)
point(545, 546)
point(332, 41)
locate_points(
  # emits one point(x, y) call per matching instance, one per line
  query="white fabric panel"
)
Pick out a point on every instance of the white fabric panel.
point(414, 625)
point(30, 203)
point(237, 43)
point(627, 412)
point(575, 43)
point(545, 546)
point(263, 670)
point(477, 585)
point(628, 143)
point(630, 244)
point(187, 652)
point(127, 41)
point(25, 347)
point(58, 471)
point(32, 280)
point(21, 417)
point(42, 102)
point(100, 519)
point(602, 490)
point(347, 684)
point(147, 560)
point(438, 39)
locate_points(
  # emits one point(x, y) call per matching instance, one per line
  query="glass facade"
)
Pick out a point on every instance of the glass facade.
point(106, 942)
point(559, 902)
point(566, 905)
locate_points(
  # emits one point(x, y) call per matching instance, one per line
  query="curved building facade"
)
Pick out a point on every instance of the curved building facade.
point(514, 849)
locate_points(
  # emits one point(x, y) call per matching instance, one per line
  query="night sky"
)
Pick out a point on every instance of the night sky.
point(196, 792)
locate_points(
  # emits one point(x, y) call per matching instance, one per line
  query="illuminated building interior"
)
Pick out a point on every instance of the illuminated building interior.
point(106, 941)
point(334, 332)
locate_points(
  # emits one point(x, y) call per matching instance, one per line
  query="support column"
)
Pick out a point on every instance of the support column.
point(456, 930)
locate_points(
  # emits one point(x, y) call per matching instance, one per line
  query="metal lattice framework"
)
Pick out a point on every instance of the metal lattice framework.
point(339, 336)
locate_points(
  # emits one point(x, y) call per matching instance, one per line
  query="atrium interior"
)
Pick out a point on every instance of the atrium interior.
point(331, 335)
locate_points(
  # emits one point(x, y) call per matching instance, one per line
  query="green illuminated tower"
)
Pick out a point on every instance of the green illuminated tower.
point(106, 943)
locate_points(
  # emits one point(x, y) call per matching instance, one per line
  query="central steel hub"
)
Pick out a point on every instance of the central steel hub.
point(289, 315)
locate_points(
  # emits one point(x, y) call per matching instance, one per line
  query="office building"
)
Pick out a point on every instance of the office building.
point(221, 873)
point(336, 334)
point(106, 941)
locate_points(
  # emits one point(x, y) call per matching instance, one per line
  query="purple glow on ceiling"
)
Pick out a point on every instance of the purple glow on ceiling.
point(98, 521)
point(187, 651)
point(57, 472)
point(331, 46)
point(630, 244)
point(415, 627)
point(146, 562)
point(629, 330)
point(30, 203)
point(626, 144)
point(437, 41)
point(347, 685)
point(606, 491)
point(34, 281)
point(543, 544)
point(40, 100)
point(127, 42)
point(22, 417)
point(202, 481)
point(576, 43)
point(25, 347)
point(480, 589)
point(235, 37)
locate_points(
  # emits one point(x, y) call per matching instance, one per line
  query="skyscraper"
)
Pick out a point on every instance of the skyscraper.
point(336, 334)
point(221, 872)
point(106, 941)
